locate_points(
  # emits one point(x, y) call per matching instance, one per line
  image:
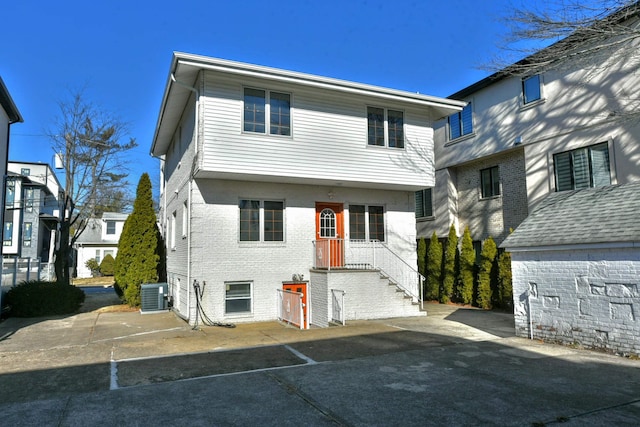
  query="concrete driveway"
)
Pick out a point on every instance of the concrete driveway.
point(455, 367)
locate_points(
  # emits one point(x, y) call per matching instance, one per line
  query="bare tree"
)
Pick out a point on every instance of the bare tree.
point(548, 34)
point(88, 140)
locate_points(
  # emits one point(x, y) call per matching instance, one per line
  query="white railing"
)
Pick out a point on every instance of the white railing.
point(16, 270)
point(337, 312)
point(361, 254)
point(291, 308)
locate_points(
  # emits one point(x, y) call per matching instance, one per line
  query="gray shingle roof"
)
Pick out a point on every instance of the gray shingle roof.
point(597, 215)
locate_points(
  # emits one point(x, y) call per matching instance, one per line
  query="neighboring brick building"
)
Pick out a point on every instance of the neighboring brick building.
point(576, 269)
point(573, 125)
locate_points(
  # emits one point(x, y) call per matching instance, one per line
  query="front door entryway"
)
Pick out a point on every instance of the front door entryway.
point(329, 235)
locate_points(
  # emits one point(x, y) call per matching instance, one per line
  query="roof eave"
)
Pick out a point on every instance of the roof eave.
point(183, 62)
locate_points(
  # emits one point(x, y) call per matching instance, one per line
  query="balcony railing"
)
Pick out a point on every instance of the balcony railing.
point(360, 254)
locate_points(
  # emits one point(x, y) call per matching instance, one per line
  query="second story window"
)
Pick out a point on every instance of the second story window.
point(111, 227)
point(461, 123)
point(385, 127)
point(531, 89)
point(28, 199)
point(582, 168)
point(11, 194)
point(260, 104)
point(490, 182)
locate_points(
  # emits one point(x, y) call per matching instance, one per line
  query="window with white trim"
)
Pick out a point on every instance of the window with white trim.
point(366, 222)
point(490, 182)
point(385, 127)
point(111, 227)
point(185, 215)
point(261, 220)
point(10, 195)
point(7, 235)
point(260, 104)
point(461, 123)
point(28, 199)
point(237, 297)
point(172, 231)
point(582, 168)
point(531, 89)
point(424, 203)
point(26, 236)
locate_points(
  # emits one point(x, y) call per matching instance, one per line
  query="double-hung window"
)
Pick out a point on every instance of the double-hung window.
point(28, 199)
point(461, 123)
point(531, 89)
point(385, 128)
point(111, 227)
point(260, 104)
point(490, 182)
point(424, 203)
point(7, 235)
point(261, 221)
point(26, 237)
point(237, 297)
point(366, 222)
point(582, 168)
point(10, 196)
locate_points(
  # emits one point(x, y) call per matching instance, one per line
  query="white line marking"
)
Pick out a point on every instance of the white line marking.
point(113, 384)
point(307, 359)
point(138, 334)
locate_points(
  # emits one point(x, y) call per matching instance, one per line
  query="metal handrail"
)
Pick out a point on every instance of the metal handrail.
point(364, 254)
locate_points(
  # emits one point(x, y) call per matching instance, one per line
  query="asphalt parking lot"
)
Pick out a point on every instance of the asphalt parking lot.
point(456, 366)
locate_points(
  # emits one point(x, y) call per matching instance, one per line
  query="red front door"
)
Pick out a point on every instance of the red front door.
point(330, 235)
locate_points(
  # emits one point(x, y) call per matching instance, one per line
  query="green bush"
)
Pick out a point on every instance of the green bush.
point(467, 268)
point(433, 269)
point(138, 260)
point(107, 265)
point(92, 265)
point(505, 286)
point(39, 298)
point(486, 273)
point(449, 273)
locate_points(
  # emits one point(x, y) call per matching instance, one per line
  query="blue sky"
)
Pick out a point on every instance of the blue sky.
point(119, 51)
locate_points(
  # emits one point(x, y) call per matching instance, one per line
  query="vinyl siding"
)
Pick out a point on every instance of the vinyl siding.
point(328, 141)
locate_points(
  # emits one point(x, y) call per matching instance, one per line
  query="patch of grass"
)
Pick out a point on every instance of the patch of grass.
point(94, 281)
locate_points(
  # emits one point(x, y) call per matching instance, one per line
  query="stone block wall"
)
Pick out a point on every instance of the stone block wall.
point(583, 297)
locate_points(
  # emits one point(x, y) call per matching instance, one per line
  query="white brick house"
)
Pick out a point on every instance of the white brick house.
point(99, 239)
point(574, 125)
point(268, 173)
point(576, 269)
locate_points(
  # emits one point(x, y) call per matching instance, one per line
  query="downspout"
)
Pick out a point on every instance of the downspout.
point(196, 132)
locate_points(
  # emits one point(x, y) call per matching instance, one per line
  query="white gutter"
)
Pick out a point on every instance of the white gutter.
point(249, 70)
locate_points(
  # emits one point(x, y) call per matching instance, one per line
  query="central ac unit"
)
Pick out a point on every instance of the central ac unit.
point(153, 297)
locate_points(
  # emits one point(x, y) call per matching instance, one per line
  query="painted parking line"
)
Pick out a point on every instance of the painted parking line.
point(133, 372)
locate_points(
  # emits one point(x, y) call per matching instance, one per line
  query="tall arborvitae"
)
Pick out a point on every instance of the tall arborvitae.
point(138, 255)
point(449, 272)
point(487, 262)
point(467, 268)
point(433, 269)
point(505, 286)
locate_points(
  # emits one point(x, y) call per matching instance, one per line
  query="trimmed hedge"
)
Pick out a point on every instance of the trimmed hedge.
point(107, 265)
point(40, 298)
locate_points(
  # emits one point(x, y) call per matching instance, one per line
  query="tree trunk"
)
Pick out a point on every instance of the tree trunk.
point(63, 255)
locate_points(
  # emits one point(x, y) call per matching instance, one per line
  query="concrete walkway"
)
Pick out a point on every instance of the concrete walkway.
point(454, 367)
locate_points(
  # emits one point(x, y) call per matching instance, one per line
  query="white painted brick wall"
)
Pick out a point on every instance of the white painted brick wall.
point(590, 298)
point(217, 257)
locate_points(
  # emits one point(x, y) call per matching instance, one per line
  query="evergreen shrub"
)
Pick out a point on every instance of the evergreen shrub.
point(449, 272)
point(486, 273)
point(433, 269)
point(36, 298)
point(107, 265)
